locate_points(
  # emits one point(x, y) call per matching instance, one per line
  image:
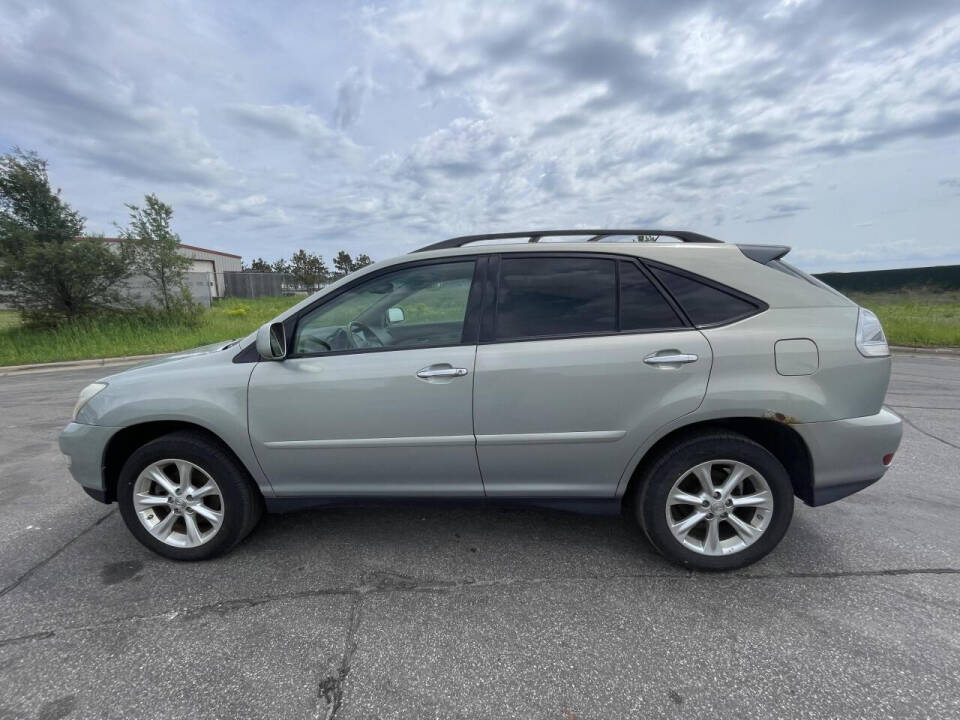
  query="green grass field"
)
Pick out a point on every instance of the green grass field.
point(917, 318)
point(118, 336)
point(910, 317)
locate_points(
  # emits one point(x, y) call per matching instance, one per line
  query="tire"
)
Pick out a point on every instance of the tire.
point(750, 519)
point(233, 499)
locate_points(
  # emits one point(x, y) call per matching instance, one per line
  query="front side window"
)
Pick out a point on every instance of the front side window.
point(418, 306)
point(550, 296)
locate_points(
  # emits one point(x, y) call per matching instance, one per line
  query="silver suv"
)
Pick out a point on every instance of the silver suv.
point(695, 385)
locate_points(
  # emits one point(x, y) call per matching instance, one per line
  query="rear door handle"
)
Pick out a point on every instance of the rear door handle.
point(676, 359)
point(441, 372)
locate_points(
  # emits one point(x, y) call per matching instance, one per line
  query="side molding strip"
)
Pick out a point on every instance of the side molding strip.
point(594, 436)
point(423, 441)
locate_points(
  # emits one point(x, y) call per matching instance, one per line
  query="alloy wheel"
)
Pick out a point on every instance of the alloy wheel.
point(178, 503)
point(719, 507)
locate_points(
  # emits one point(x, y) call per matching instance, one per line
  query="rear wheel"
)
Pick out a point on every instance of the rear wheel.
point(187, 498)
point(715, 501)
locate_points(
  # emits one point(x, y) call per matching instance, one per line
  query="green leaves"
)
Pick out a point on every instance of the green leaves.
point(47, 270)
point(153, 251)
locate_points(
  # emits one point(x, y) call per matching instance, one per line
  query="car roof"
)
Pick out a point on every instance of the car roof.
point(592, 235)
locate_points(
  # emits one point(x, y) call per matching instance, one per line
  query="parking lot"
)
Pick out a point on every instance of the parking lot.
point(469, 612)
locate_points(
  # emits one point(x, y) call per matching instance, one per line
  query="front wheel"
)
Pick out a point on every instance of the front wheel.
point(186, 498)
point(715, 501)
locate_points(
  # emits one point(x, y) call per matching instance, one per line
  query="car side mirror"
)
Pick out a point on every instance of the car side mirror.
point(272, 341)
point(395, 316)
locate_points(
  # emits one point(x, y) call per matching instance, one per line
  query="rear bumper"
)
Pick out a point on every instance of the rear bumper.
point(84, 445)
point(848, 454)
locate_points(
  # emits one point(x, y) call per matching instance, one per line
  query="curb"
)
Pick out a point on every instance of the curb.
point(941, 351)
point(77, 364)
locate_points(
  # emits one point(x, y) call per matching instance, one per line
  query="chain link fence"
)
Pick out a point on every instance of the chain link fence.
point(251, 285)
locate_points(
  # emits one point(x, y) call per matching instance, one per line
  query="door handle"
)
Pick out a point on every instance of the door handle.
point(427, 372)
point(676, 359)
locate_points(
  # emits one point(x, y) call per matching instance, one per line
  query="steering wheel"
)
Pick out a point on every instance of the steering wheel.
point(363, 336)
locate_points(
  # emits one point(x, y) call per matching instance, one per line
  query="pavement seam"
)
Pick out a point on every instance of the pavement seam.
point(54, 554)
point(361, 591)
point(330, 688)
point(912, 424)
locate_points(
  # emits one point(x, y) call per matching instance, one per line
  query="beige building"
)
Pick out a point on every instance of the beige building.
point(212, 263)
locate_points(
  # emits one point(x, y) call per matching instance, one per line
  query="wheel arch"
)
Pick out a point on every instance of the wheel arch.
point(781, 440)
point(126, 441)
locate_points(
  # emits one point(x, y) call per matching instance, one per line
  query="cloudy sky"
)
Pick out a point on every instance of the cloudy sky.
point(832, 126)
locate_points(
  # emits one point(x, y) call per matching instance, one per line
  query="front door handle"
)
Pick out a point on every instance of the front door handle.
point(676, 359)
point(432, 372)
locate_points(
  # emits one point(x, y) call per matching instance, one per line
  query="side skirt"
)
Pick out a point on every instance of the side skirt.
point(586, 506)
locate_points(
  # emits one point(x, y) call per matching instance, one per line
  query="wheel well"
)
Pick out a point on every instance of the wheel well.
point(123, 444)
point(778, 438)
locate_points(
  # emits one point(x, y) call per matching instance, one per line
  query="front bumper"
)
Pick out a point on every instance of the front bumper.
point(84, 445)
point(848, 454)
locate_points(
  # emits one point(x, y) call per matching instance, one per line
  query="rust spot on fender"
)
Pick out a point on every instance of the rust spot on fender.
point(780, 417)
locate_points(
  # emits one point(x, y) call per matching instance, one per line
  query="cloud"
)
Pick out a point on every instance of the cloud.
point(297, 123)
point(893, 253)
point(493, 116)
point(779, 211)
point(351, 93)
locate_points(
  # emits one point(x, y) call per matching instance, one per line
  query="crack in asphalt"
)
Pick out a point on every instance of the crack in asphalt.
point(331, 687)
point(930, 435)
point(54, 554)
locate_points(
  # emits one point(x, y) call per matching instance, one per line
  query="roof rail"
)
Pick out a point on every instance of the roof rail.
point(534, 236)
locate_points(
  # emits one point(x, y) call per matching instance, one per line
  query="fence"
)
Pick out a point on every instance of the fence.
point(200, 285)
point(252, 285)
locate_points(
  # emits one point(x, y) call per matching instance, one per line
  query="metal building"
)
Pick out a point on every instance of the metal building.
point(212, 263)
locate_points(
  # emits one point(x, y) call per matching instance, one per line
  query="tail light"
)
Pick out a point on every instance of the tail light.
point(871, 342)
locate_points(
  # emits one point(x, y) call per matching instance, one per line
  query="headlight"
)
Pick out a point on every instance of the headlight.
point(871, 342)
point(88, 392)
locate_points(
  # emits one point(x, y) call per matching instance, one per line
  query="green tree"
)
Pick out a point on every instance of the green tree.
point(281, 266)
point(259, 266)
point(342, 264)
point(49, 271)
point(362, 261)
point(154, 246)
point(309, 270)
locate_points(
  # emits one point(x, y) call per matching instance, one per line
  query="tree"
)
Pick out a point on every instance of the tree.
point(259, 266)
point(49, 271)
point(343, 264)
point(309, 270)
point(155, 251)
point(281, 266)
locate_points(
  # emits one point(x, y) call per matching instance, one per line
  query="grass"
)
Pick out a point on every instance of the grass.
point(909, 317)
point(133, 335)
point(916, 318)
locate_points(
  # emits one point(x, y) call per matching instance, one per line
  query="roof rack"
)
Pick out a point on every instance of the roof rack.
point(534, 236)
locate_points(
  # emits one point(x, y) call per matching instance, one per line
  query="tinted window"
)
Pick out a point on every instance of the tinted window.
point(704, 304)
point(556, 296)
point(422, 305)
point(642, 307)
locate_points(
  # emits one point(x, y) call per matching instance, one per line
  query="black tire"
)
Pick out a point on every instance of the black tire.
point(242, 502)
point(659, 477)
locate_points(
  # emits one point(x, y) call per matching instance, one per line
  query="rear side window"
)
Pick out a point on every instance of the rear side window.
point(704, 304)
point(556, 296)
point(642, 307)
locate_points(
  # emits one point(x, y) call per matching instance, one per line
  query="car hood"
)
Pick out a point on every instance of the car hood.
point(194, 354)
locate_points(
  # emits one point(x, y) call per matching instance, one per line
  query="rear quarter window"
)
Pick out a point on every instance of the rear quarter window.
point(705, 304)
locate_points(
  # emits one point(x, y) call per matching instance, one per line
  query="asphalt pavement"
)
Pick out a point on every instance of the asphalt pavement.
point(422, 612)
